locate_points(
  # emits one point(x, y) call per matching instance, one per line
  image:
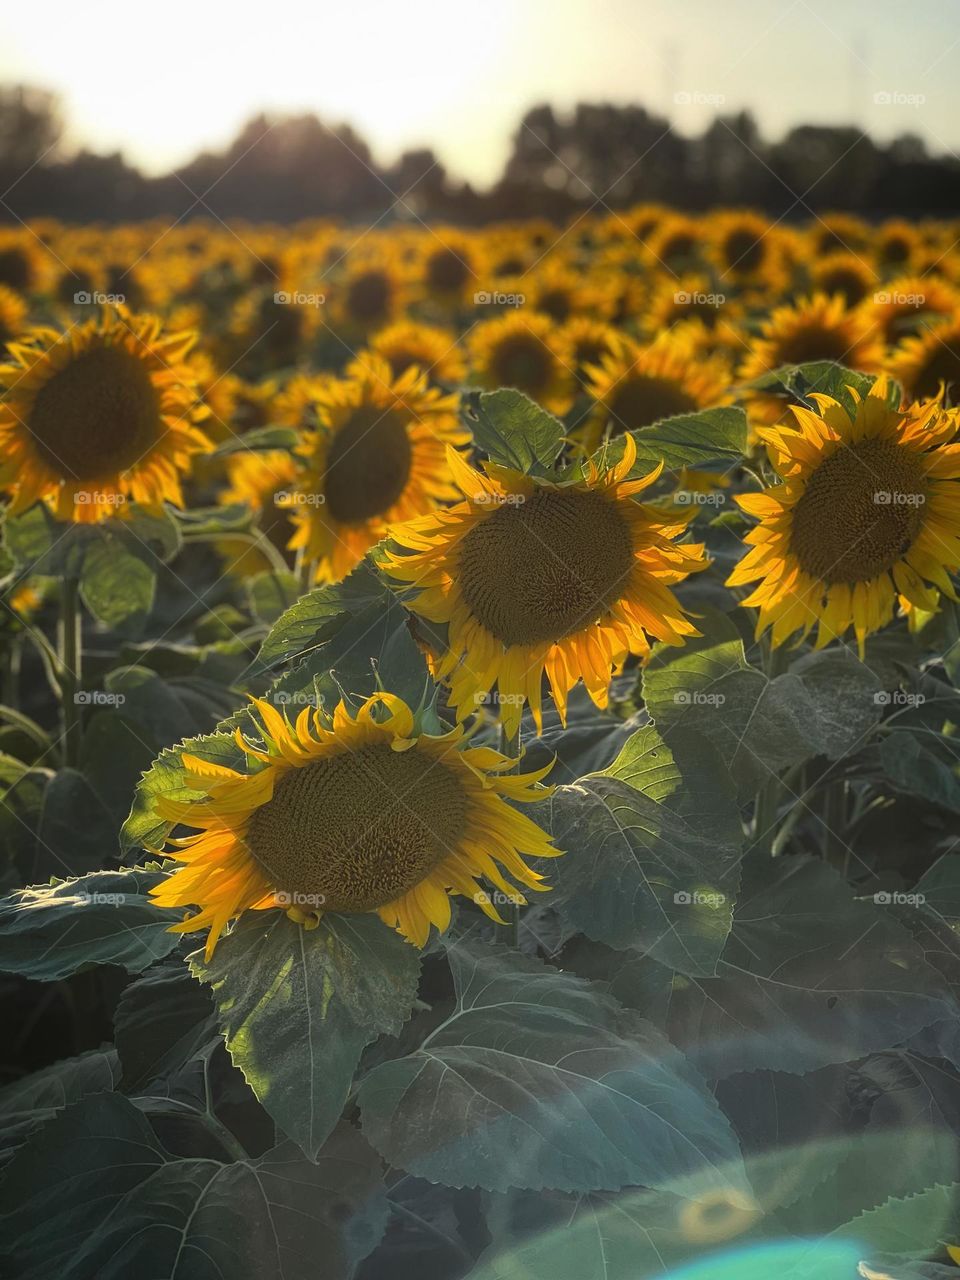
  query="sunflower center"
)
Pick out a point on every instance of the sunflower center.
point(859, 513)
point(359, 829)
point(547, 567)
point(942, 365)
point(809, 343)
point(640, 401)
point(368, 296)
point(522, 361)
point(447, 271)
point(99, 414)
point(368, 465)
point(744, 250)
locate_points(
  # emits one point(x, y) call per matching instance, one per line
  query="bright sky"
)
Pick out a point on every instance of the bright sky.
point(160, 82)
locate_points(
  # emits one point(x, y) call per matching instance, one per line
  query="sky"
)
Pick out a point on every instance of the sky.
point(161, 82)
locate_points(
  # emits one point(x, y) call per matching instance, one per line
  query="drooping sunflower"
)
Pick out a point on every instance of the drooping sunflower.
point(378, 457)
point(867, 513)
point(928, 361)
point(522, 351)
point(109, 408)
point(564, 579)
point(637, 386)
point(351, 814)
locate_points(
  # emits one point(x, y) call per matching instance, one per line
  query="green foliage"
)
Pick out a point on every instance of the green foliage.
point(515, 432)
point(713, 436)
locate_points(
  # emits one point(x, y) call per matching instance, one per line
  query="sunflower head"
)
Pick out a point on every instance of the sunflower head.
point(534, 577)
point(864, 515)
point(350, 813)
point(109, 408)
point(522, 351)
point(431, 348)
point(378, 456)
point(13, 315)
point(846, 274)
point(930, 362)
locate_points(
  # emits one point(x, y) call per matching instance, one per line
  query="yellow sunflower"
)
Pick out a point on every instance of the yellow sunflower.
point(453, 266)
point(431, 347)
point(351, 815)
point(105, 411)
point(532, 577)
point(744, 247)
point(932, 359)
point(371, 293)
point(522, 351)
point(261, 479)
point(637, 386)
point(868, 512)
point(846, 274)
point(584, 341)
point(377, 458)
point(13, 315)
point(902, 306)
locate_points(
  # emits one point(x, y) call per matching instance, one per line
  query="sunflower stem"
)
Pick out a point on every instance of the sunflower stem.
point(835, 849)
point(510, 746)
point(68, 667)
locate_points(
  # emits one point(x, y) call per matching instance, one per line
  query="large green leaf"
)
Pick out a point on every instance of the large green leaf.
point(50, 931)
point(810, 975)
point(27, 1104)
point(95, 1197)
point(118, 585)
point(537, 1079)
point(698, 439)
point(760, 726)
point(297, 1007)
point(651, 851)
point(163, 1020)
point(515, 432)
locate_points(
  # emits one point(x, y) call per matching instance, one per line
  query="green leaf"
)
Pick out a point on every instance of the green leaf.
point(515, 432)
point(536, 1080)
point(76, 832)
point(95, 1195)
point(690, 440)
point(39, 543)
point(940, 887)
point(810, 976)
point(759, 726)
point(28, 1103)
point(913, 1226)
point(207, 522)
point(50, 931)
point(117, 585)
point(914, 767)
point(163, 1021)
point(826, 377)
point(258, 440)
point(652, 851)
point(297, 1007)
point(271, 594)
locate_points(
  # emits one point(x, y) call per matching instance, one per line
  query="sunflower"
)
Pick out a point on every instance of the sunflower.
point(868, 511)
point(22, 262)
point(261, 479)
point(522, 351)
point(430, 347)
point(897, 244)
point(637, 386)
point(676, 243)
point(584, 341)
point(806, 331)
point(846, 274)
point(348, 814)
point(378, 457)
point(925, 363)
point(839, 231)
point(107, 409)
point(744, 247)
point(13, 314)
point(533, 577)
point(371, 293)
point(901, 307)
point(453, 266)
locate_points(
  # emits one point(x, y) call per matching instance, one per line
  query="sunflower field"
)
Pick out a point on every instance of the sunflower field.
point(480, 793)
